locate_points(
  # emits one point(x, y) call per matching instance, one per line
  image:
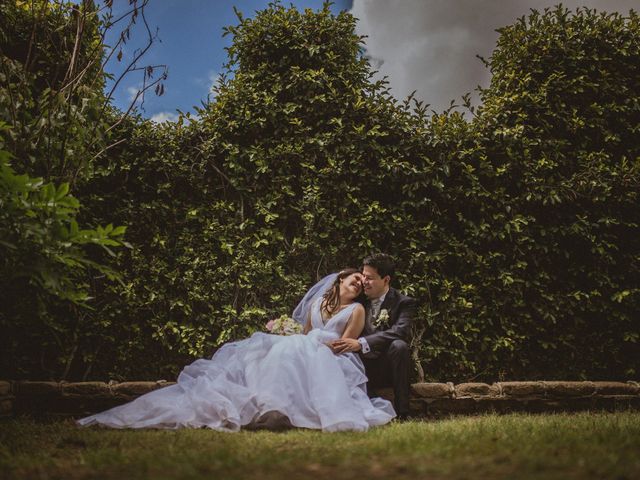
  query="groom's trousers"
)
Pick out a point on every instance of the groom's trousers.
point(391, 369)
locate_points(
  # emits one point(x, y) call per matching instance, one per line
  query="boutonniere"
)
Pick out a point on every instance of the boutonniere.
point(383, 318)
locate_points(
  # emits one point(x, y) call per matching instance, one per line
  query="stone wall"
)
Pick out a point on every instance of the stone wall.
point(427, 400)
point(438, 399)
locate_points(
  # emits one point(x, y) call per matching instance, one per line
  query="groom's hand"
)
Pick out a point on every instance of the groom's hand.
point(344, 345)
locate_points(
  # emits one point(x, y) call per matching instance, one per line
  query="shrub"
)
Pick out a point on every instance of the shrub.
point(517, 230)
point(541, 245)
point(43, 261)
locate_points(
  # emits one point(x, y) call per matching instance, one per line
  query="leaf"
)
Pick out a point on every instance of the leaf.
point(63, 189)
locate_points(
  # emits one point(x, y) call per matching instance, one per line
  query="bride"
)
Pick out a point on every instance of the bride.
point(297, 378)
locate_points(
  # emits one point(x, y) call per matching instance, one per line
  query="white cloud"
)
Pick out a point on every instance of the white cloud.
point(132, 92)
point(209, 83)
point(161, 117)
point(431, 45)
point(213, 81)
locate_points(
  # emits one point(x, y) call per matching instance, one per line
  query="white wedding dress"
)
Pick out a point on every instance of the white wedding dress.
point(297, 375)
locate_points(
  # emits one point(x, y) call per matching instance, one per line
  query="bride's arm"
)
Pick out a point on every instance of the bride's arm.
point(355, 323)
point(349, 340)
point(307, 325)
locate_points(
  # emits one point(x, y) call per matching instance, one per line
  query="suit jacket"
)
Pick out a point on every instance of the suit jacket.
point(401, 311)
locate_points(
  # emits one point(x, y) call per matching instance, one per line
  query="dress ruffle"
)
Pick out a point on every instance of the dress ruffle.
point(297, 376)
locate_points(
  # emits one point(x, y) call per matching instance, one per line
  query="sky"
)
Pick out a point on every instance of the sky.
point(429, 46)
point(190, 44)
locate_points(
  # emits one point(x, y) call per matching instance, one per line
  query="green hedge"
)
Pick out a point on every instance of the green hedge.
point(516, 229)
point(51, 101)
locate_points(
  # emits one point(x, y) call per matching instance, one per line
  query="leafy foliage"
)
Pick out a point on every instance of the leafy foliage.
point(52, 84)
point(517, 230)
point(44, 255)
point(52, 103)
point(237, 213)
point(541, 247)
point(41, 237)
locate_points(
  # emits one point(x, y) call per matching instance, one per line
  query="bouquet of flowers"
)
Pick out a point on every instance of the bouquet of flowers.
point(283, 325)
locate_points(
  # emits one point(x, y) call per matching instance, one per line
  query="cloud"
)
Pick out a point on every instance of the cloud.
point(132, 92)
point(213, 81)
point(161, 117)
point(209, 83)
point(431, 45)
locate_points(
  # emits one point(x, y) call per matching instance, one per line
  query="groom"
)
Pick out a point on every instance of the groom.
point(384, 344)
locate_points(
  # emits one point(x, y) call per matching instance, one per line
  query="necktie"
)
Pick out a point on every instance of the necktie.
point(375, 307)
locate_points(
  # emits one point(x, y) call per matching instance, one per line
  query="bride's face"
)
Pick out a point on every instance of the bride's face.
point(351, 286)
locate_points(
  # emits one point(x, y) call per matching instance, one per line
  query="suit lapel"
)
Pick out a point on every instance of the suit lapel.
point(389, 300)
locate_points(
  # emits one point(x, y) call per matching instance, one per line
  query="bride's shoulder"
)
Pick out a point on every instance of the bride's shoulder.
point(358, 307)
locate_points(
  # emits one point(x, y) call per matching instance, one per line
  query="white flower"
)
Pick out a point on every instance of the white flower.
point(383, 318)
point(284, 325)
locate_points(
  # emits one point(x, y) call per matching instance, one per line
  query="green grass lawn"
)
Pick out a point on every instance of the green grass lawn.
point(562, 446)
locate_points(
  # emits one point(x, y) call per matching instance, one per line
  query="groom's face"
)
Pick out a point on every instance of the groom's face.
point(374, 285)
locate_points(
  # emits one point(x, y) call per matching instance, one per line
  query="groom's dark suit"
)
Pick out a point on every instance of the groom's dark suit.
point(387, 363)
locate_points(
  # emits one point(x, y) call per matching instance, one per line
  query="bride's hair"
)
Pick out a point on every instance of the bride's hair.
point(331, 299)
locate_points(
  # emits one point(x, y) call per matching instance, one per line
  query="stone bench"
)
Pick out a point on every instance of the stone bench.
point(427, 399)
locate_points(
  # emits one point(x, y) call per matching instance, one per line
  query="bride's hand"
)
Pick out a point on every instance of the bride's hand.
point(330, 345)
point(345, 345)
